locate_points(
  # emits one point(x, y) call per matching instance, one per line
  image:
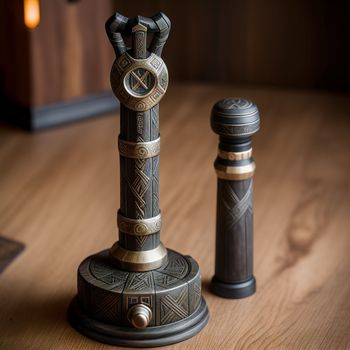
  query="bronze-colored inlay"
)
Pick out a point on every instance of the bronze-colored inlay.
point(139, 84)
point(235, 155)
point(132, 260)
point(241, 172)
point(139, 227)
point(139, 150)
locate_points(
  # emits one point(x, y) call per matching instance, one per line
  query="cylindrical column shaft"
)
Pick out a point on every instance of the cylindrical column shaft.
point(139, 79)
point(139, 185)
point(235, 120)
point(234, 224)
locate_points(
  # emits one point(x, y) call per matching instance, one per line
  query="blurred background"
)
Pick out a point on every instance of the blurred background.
point(55, 57)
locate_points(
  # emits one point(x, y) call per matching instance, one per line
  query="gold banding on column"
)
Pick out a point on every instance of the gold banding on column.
point(235, 155)
point(240, 172)
point(139, 150)
point(139, 227)
point(139, 260)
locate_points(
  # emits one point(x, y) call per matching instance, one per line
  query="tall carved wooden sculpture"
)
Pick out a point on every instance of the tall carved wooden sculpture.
point(138, 293)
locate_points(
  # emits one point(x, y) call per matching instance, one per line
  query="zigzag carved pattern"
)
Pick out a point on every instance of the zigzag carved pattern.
point(139, 187)
point(155, 184)
point(140, 240)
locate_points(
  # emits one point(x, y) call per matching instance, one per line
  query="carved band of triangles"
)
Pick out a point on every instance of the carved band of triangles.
point(172, 308)
point(162, 280)
point(103, 272)
point(140, 281)
point(140, 240)
point(177, 266)
point(236, 207)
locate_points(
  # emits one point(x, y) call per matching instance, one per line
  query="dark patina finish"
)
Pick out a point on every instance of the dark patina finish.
point(138, 293)
point(235, 120)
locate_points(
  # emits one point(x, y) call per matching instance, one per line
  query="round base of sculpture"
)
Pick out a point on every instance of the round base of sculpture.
point(233, 290)
point(106, 294)
point(138, 338)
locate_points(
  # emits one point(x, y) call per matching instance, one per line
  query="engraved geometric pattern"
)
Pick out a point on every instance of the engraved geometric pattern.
point(234, 103)
point(176, 267)
point(140, 281)
point(155, 120)
point(155, 63)
point(146, 300)
point(140, 41)
point(164, 281)
point(236, 207)
point(197, 292)
point(146, 81)
point(163, 78)
point(132, 300)
point(140, 240)
point(155, 185)
point(139, 150)
point(140, 126)
point(235, 130)
point(122, 64)
point(107, 306)
point(139, 187)
point(139, 227)
point(140, 81)
point(101, 269)
point(172, 292)
point(173, 308)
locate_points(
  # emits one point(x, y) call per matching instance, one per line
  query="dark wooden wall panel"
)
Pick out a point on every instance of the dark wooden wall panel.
point(285, 43)
point(14, 52)
point(66, 57)
point(71, 54)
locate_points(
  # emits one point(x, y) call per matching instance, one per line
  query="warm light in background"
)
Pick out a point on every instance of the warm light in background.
point(31, 13)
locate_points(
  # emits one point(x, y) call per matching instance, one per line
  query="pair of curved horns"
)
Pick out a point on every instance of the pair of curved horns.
point(119, 25)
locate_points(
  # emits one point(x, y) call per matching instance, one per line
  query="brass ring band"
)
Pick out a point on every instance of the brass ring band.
point(139, 150)
point(241, 172)
point(139, 227)
point(132, 260)
point(235, 155)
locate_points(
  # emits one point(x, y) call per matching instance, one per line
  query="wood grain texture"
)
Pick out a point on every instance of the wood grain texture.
point(70, 53)
point(59, 194)
point(67, 56)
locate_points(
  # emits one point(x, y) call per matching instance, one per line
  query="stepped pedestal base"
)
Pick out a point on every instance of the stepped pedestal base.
point(105, 295)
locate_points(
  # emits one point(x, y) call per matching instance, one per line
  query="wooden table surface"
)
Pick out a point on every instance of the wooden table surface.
point(59, 192)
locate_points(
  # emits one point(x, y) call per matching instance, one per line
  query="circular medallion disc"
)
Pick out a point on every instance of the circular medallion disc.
point(139, 82)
